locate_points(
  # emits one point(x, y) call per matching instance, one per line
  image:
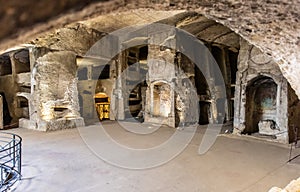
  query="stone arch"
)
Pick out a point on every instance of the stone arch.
point(261, 102)
point(217, 37)
point(268, 37)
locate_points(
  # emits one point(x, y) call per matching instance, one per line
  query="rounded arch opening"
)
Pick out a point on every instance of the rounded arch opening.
point(261, 102)
point(161, 99)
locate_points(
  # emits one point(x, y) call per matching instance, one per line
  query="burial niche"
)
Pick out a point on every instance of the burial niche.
point(261, 105)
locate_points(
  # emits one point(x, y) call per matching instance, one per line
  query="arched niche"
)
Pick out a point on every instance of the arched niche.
point(161, 101)
point(23, 106)
point(261, 103)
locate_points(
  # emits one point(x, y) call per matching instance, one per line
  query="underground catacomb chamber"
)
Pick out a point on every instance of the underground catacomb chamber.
point(144, 78)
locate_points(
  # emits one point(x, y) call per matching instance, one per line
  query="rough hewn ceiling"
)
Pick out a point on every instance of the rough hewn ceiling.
point(271, 25)
point(79, 37)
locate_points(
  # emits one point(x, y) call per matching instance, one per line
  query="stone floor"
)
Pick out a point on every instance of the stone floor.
point(62, 162)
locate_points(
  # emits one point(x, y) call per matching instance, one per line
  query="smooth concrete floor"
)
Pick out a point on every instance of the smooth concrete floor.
point(61, 161)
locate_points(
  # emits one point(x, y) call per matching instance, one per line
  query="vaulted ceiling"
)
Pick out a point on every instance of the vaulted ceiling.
point(272, 26)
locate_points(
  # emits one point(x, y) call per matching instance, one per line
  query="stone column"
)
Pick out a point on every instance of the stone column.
point(55, 94)
point(13, 90)
point(161, 59)
point(209, 76)
point(226, 75)
point(119, 90)
point(240, 88)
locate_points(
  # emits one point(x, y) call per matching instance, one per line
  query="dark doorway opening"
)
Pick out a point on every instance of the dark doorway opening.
point(204, 97)
point(6, 115)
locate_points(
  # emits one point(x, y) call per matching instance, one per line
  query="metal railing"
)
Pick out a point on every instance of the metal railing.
point(295, 143)
point(10, 160)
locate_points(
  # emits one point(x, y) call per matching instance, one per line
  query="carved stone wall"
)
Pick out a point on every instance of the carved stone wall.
point(160, 96)
point(254, 107)
point(273, 26)
point(54, 96)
